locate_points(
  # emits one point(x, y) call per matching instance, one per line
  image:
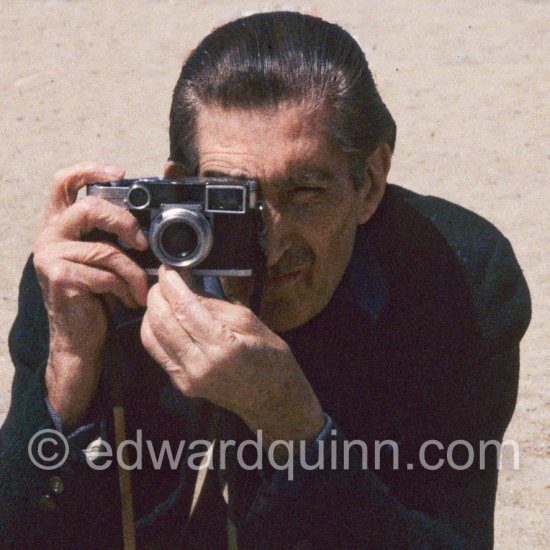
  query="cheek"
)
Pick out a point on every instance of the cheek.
point(321, 219)
point(332, 243)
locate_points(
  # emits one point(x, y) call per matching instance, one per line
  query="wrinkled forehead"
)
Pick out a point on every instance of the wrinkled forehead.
point(264, 143)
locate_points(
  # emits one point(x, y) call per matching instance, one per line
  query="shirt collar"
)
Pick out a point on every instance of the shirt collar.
point(363, 283)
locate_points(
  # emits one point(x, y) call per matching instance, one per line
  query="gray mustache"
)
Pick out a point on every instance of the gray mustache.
point(292, 260)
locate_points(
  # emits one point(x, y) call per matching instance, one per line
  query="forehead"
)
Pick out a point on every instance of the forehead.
point(264, 143)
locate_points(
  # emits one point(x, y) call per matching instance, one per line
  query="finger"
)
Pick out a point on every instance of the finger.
point(188, 307)
point(95, 213)
point(156, 338)
point(186, 276)
point(65, 277)
point(164, 323)
point(206, 310)
point(152, 345)
point(102, 255)
point(68, 181)
point(157, 352)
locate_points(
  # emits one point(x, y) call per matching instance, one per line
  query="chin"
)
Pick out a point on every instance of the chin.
point(284, 309)
point(284, 315)
point(281, 323)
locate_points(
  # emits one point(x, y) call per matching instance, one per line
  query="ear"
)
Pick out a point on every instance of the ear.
point(175, 171)
point(378, 167)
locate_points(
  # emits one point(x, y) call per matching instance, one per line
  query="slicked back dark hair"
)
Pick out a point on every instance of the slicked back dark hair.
point(261, 61)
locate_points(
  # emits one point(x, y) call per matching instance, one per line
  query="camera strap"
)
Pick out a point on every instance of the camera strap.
point(124, 476)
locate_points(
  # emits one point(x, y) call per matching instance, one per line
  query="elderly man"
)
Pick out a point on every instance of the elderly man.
point(385, 316)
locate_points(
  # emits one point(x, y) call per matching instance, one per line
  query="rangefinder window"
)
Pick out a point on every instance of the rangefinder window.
point(225, 198)
point(138, 197)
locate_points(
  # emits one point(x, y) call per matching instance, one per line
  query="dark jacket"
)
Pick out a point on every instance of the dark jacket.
point(428, 349)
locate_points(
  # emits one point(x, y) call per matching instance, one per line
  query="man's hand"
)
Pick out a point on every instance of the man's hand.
point(224, 353)
point(74, 274)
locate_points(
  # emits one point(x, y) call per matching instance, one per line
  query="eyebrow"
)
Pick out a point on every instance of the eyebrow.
point(311, 175)
point(300, 175)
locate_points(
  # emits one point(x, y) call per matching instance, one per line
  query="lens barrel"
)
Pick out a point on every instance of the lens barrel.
point(181, 237)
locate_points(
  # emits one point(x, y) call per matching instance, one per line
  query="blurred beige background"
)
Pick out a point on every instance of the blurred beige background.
point(467, 82)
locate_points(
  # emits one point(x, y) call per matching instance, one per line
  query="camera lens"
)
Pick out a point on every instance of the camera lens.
point(181, 237)
point(179, 240)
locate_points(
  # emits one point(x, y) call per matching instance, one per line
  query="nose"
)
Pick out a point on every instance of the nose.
point(278, 233)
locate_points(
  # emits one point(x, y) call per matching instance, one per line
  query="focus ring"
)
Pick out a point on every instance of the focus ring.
point(194, 220)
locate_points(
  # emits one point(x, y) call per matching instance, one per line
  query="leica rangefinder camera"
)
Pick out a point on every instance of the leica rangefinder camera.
point(211, 225)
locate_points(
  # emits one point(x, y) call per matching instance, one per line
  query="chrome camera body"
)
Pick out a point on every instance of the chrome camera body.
point(210, 225)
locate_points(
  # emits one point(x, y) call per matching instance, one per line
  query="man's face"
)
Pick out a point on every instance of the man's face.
point(311, 207)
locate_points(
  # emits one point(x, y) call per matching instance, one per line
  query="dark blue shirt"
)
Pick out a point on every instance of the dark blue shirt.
point(419, 342)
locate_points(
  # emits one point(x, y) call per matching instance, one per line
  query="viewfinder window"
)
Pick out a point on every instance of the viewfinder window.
point(225, 198)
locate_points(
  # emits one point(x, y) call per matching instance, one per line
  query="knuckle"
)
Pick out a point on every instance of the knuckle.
point(64, 176)
point(88, 166)
point(107, 250)
point(75, 169)
point(102, 253)
point(89, 209)
point(82, 208)
point(181, 305)
point(58, 274)
point(248, 319)
point(116, 260)
point(88, 205)
point(70, 293)
point(184, 307)
point(40, 261)
point(227, 341)
point(41, 240)
point(156, 323)
point(61, 175)
point(112, 283)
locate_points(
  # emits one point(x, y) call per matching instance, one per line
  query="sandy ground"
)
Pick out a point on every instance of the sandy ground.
point(465, 81)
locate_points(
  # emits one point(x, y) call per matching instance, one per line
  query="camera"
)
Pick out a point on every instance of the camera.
point(211, 225)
